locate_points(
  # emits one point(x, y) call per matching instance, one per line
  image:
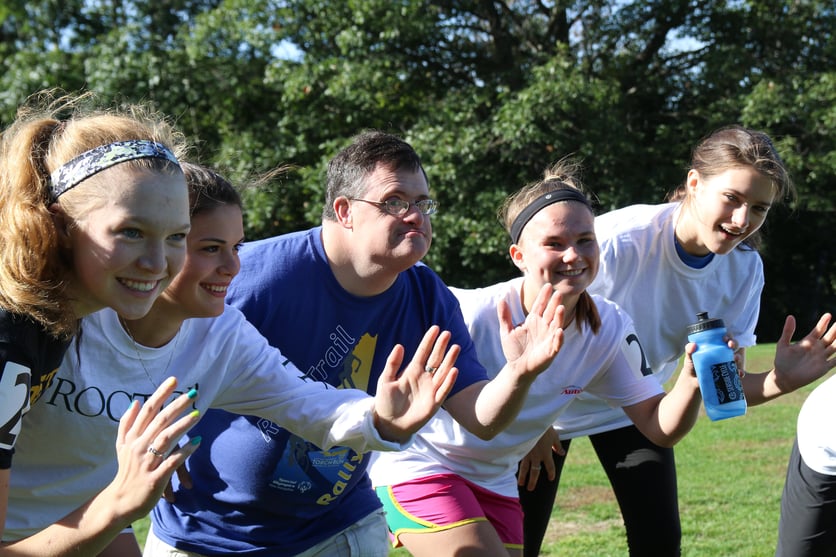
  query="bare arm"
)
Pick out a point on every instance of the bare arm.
point(138, 484)
point(665, 419)
point(125, 545)
point(796, 364)
point(487, 407)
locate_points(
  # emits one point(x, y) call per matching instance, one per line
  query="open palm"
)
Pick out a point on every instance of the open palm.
point(533, 344)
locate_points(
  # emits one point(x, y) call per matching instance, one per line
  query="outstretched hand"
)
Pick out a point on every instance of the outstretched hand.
point(532, 345)
point(145, 439)
point(405, 402)
point(798, 364)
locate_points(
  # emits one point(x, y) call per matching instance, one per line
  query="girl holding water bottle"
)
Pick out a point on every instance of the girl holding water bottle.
point(664, 264)
point(452, 493)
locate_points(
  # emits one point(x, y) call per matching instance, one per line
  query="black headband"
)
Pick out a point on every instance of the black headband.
point(567, 194)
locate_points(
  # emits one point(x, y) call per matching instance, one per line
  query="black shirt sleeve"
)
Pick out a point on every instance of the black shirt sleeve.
point(29, 359)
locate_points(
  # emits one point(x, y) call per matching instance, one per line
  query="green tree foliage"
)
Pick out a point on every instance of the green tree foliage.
point(489, 92)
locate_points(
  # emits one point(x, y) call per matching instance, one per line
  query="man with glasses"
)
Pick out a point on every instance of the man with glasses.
point(336, 299)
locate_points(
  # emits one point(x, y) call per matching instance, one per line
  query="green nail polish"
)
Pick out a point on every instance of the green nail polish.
point(194, 413)
point(195, 440)
point(192, 393)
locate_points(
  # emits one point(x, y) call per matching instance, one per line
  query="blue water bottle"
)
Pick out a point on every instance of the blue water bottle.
point(716, 370)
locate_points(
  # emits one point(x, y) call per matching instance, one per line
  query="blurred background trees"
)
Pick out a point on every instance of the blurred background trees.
point(488, 92)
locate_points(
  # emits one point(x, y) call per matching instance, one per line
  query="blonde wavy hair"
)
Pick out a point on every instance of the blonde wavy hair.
point(50, 129)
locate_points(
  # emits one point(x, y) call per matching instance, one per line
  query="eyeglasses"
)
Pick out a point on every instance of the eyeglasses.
point(399, 207)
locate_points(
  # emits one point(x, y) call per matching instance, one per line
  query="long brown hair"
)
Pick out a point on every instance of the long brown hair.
point(734, 147)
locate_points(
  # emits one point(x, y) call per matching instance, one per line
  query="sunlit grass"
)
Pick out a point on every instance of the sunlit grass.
point(730, 475)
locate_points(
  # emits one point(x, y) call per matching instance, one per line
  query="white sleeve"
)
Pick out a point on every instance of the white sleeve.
point(262, 382)
point(628, 378)
point(743, 326)
point(816, 434)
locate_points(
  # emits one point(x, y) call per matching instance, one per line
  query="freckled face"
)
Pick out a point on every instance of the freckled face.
point(211, 262)
point(558, 246)
point(723, 210)
point(126, 251)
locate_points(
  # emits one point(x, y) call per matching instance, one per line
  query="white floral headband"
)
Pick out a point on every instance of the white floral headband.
point(88, 163)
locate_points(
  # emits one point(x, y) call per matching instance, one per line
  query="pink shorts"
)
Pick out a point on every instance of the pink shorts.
point(444, 501)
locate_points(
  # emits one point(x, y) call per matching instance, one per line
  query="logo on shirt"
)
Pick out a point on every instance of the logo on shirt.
point(352, 358)
point(571, 390)
point(35, 391)
point(357, 365)
point(305, 467)
point(634, 352)
point(14, 401)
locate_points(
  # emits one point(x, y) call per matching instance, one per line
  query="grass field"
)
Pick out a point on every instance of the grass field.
point(730, 476)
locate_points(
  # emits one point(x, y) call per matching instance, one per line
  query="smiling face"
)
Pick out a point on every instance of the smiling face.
point(211, 262)
point(558, 246)
point(127, 249)
point(723, 210)
point(389, 242)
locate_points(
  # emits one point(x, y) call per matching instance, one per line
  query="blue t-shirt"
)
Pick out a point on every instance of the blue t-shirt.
point(258, 489)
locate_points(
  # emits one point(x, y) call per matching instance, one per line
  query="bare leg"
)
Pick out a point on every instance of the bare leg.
point(477, 539)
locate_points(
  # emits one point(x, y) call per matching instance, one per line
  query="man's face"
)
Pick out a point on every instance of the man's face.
point(395, 243)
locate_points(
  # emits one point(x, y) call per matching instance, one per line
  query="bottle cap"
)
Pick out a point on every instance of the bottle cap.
point(705, 324)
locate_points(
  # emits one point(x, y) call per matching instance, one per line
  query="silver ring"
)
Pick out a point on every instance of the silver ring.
point(430, 369)
point(155, 452)
point(535, 467)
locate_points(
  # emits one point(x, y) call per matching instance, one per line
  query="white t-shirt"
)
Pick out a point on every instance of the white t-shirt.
point(817, 428)
point(67, 454)
point(641, 271)
point(607, 364)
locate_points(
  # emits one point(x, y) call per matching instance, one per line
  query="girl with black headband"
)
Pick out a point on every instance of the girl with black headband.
point(93, 214)
point(663, 264)
point(450, 490)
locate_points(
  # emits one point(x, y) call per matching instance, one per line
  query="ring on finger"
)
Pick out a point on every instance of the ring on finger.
point(535, 467)
point(430, 369)
point(155, 452)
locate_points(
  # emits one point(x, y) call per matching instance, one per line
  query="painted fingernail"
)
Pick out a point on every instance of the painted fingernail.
point(194, 413)
point(192, 393)
point(195, 440)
